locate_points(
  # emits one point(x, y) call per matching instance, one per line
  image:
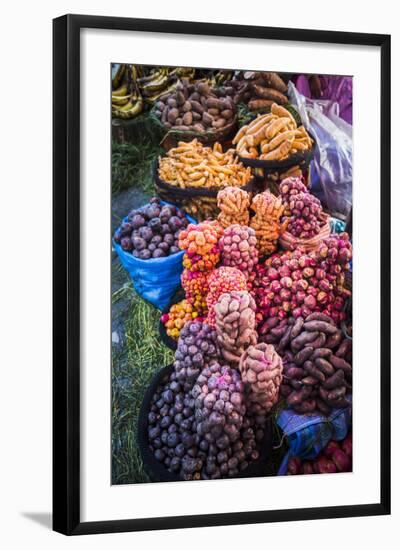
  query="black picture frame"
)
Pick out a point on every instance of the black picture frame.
point(66, 273)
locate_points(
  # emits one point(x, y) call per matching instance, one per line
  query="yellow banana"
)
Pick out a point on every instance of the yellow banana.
point(120, 100)
point(133, 111)
point(121, 91)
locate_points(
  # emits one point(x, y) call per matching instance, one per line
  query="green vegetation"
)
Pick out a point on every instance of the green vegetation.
point(133, 366)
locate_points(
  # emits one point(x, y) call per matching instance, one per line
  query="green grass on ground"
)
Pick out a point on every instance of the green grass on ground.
point(133, 366)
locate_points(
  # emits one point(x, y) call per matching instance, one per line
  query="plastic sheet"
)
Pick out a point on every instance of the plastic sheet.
point(308, 434)
point(332, 166)
point(157, 279)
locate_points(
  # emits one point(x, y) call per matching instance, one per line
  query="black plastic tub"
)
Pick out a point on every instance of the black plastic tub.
point(156, 471)
point(302, 158)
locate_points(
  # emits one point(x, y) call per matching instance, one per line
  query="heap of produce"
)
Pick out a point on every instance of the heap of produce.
point(337, 456)
point(220, 410)
point(221, 280)
point(266, 221)
point(303, 212)
point(178, 316)
point(234, 206)
point(126, 99)
point(235, 321)
point(261, 369)
point(197, 346)
point(152, 231)
point(199, 240)
point(316, 363)
point(273, 136)
point(258, 89)
point(203, 433)
point(196, 108)
point(290, 187)
point(193, 165)
point(238, 247)
point(195, 285)
point(161, 81)
point(297, 283)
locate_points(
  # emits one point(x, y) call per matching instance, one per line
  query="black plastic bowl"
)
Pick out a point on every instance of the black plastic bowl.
point(192, 192)
point(156, 470)
point(302, 158)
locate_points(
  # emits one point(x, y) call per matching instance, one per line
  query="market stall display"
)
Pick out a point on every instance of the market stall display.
point(262, 322)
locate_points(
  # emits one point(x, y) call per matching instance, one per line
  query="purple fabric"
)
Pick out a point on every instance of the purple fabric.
point(334, 88)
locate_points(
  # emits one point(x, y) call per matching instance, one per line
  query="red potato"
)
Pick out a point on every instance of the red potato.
point(341, 460)
point(331, 448)
point(324, 466)
point(294, 466)
point(347, 446)
point(307, 468)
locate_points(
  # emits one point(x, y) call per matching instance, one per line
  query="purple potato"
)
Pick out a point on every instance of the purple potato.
point(146, 233)
point(157, 239)
point(165, 230)
point(175, 223)
point(126, 229)
point(126, 244)
point(145, 254)
point(155, 225)
point(138, 221)
point(139, 243)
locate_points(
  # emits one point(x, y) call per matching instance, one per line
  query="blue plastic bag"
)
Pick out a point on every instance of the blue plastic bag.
point(157, 279)
point(309, 434)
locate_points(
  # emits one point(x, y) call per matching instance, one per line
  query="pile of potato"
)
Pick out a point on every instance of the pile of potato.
point(221, 280)
point(238, 247)
point(261, 368)
point(192, 165)
point(258, 89)
point(235, 317)
point(196, 108)
point(266, 223)
point(234, 206)
point(317, 364)
point(273, 136)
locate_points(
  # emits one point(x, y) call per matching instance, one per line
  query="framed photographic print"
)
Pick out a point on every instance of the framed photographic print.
point(221, 274)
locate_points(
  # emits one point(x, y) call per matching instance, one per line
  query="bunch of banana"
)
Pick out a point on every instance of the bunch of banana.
point(162, 80)
point(126, 99)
